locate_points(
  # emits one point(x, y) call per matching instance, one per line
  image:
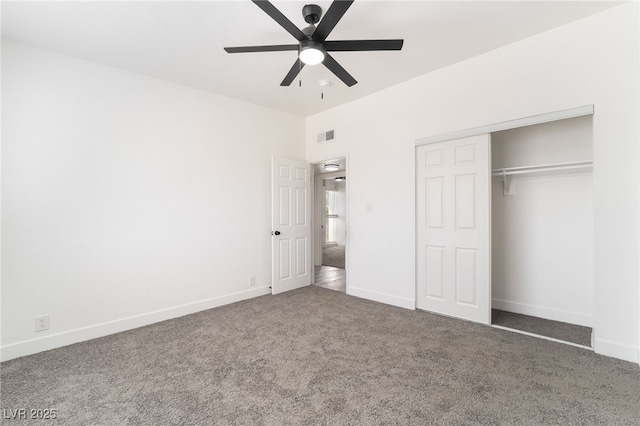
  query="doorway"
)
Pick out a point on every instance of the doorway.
point(330, 224)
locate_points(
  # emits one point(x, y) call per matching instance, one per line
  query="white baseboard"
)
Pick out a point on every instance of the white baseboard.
point(389, 299)
point(616, 350)
point(543, 312)
point(45, 343)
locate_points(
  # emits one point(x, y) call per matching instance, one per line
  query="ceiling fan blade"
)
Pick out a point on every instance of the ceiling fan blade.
point(331, 18)
point(362, 45)
point(277, 16)
point(337, 69)
point(274, 48)
point(293, 72)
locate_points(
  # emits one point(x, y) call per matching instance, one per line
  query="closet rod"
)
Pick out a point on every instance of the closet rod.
point(542, 168)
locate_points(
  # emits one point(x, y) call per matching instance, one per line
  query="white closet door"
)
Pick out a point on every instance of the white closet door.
point(453, 228)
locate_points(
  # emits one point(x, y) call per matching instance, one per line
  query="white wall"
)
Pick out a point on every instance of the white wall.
point(591, 61)
point(341, 220)
point(542, 235)
point(127, 200)
point(318, 219)
point(555, 142)
point(340, 210)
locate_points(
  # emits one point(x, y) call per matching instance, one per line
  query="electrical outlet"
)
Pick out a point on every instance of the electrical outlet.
point(42, 323)
point(252, 280)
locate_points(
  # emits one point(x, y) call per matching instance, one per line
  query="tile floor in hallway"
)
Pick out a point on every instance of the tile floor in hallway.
point(331, 278)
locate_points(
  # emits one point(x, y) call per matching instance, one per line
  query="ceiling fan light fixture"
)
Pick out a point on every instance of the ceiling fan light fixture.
point(311, 53)
point(331, 167)
point(312, 44)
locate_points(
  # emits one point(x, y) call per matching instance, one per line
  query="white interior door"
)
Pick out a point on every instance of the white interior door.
point(453, 228)
point(291, 224)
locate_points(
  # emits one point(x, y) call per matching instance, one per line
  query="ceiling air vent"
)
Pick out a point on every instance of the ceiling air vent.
point(326, 136)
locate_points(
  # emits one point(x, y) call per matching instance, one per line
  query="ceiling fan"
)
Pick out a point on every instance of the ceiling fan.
point(313, 47)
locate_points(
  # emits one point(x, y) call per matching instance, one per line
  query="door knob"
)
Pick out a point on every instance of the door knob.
point(277, 233)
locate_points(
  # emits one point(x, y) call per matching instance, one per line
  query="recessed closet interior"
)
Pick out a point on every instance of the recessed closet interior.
point(542, 222)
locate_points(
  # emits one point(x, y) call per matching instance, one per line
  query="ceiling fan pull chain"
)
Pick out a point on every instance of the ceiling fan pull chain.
point(299, 69)
point(323, 84)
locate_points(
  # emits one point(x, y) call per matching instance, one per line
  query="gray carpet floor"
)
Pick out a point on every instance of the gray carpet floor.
point(318, 357)
point(333, 256)
point(544, 327)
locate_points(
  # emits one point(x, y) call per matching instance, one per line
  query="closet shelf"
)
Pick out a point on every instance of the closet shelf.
point(507, 172)
point(542, 168)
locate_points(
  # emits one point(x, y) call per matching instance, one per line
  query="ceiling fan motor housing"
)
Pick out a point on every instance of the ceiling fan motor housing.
point(312, 13)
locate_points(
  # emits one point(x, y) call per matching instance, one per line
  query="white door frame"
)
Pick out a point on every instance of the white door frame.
point(314, 219)
point(511, 124)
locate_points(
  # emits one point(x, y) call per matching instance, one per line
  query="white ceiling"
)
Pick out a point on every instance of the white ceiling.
point(183, 41)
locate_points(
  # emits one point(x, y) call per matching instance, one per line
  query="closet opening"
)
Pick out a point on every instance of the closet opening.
point(542, 230)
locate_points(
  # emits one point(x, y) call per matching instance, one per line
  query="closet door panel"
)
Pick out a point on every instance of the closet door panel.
point(453, 229)
point(434, 272)
point(434, 193)
point(466, 273)
point(465, 202)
